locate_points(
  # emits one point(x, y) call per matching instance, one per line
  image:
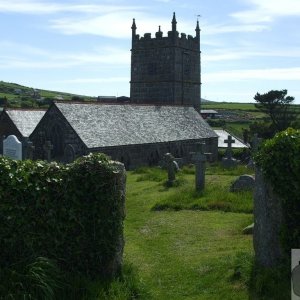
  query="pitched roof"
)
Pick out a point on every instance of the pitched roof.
point(223, 135)
point(104, 125)
point(25, 120)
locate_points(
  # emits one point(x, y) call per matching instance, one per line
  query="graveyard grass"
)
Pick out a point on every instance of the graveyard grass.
point(194, 253)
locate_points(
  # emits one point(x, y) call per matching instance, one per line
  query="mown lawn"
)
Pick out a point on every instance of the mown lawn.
point(187, 253)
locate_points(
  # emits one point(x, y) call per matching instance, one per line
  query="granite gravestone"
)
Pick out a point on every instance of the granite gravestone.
point(228, 161)
point(172, 168)
point(199, 158)
point(12, 147)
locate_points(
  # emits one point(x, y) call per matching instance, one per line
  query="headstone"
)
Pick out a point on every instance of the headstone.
point(172, 168)
point(243, 183)
point(199, 158)
point(268, 222)
point(69, 154)
point(228, 161)
point(28, 149)
point(47, 149)
point(12, 147)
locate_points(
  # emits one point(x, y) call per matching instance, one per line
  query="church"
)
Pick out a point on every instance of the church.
point(163, 114)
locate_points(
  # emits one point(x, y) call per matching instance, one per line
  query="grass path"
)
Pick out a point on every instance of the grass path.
point(185, 254)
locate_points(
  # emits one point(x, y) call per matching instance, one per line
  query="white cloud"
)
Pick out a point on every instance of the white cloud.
point(283, 74)
point(39, 7)
point(96, 80)
point(267, 10)
point(223, 28)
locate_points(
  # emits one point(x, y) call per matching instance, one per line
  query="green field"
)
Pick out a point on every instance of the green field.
point(229, 106)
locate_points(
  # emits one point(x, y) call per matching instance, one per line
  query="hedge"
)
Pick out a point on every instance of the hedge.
point(71, 213)
point(280, 161)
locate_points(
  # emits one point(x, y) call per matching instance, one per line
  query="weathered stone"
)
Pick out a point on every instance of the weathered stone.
point(200, 158)
point(228, 161)
point(268, 220)
point(12, 147)
point(243, 183)
point(172, 168)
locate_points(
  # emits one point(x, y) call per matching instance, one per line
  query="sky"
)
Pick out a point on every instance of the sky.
point(83, 46)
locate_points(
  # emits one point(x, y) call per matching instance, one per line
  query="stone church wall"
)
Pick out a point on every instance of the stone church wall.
point(55, 128)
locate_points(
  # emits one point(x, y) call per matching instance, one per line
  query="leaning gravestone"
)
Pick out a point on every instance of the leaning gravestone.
point(228, 161)
point(12, 147)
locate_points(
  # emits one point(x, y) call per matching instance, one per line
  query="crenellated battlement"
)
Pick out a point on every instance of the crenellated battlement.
point(165, 68)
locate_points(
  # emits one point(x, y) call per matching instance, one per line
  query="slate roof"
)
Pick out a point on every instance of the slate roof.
point(104, 125)
point(223, 135)
point(25, 120)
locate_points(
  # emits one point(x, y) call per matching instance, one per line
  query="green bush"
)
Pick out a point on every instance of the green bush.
point(280, 161)
point(70, 213)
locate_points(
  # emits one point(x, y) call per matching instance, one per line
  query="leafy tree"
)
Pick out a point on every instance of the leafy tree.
point(277, 105)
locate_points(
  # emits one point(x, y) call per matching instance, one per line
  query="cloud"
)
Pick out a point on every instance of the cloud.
point(267, 11)
point(223, 28)
point(96, 80)
point(39, 7)
point(282, 74)
point(118, 24)
point(23, 56)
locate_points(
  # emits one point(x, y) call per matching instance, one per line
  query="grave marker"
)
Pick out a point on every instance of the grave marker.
point(12, 147)
point(47, 148)
point(199, 158)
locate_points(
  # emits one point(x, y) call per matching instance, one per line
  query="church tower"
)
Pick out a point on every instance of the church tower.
point(166, 70)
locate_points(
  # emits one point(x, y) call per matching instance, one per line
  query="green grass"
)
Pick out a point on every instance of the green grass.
point(229, 106)
point(185, 254)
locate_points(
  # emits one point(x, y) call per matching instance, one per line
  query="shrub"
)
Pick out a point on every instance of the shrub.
point(72, 214)
point(280, 162)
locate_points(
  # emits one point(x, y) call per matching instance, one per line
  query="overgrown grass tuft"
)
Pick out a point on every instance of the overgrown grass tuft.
point(39, 279)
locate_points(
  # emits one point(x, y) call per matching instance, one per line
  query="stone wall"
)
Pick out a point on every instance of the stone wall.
point(165, 69)
point(268, 219)
point(55, 128)
point(134, 156)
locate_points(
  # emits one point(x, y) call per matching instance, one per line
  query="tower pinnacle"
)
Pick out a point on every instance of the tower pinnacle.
point(133, 27)
point(174, 22)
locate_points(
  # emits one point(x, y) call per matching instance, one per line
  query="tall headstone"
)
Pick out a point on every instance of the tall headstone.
point(28, 149)
point(2, 138)
point(228, 161)
point(172, 168)
point(256, 141)
point(199, 158)
point(48, 147)
point(12, 147)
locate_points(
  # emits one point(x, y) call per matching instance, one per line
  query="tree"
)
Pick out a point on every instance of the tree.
point(277, 105)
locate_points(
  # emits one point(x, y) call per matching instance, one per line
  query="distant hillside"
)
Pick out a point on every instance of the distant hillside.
point(16, 95)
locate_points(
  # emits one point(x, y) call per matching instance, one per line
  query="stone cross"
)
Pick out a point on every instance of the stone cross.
point(47, 148)
point(172, 168)
point(199, 158)
point(229, 142)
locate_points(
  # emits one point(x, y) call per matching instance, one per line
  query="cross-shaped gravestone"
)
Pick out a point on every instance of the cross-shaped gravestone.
point(229, 142)
point(47, 148)
point(199, 158)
